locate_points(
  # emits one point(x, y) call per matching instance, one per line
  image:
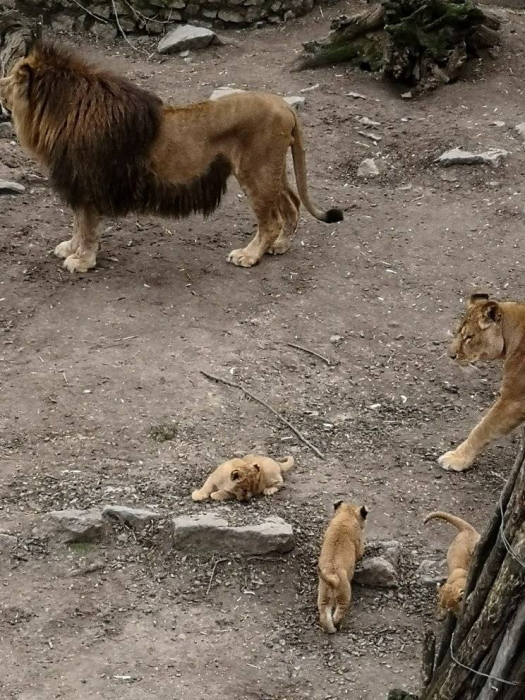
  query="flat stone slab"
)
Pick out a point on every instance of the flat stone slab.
point(187, 37)
point(137, 518)
point(8, 187)
point(209, 533)
point(72, 525)
point(368, 168)
point(457, 156)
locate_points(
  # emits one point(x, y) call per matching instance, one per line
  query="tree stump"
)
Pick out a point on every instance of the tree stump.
point(420, 42)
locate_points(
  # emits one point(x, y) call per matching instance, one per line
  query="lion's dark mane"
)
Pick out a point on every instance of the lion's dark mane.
point(95, 131)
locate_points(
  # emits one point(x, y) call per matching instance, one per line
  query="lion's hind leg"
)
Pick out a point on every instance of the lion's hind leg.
point(290, 205)
point(80, 252)
point(324, 606)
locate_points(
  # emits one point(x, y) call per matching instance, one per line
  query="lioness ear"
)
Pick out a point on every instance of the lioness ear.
point(236, 475)
point(257, 467)
point(477, 298)
point(491, 314)
point(337, 504)
point(363, 512)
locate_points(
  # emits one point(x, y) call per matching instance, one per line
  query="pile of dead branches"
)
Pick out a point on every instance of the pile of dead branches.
point(423, 43)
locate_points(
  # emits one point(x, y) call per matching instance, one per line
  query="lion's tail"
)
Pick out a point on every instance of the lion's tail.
point(330, 578)
point(299, 165)
point(287, 464)
point(459, 524)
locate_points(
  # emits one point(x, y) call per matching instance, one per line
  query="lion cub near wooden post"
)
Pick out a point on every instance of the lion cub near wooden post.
point(491, 330)
point(243, 478)
point(459, 558)
point(343, 546)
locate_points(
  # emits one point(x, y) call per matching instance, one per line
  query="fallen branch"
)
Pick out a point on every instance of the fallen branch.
point(310, 352)
point(219, 561)
point(263, 403)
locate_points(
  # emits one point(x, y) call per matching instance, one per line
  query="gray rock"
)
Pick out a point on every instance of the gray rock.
point(367, 121)
point(431, 572)
point(72, 525)
point(6, 130)
point(187, 37)
point(295, 101)
point(376, 572)
point(210, 533)
point(7, 543)
point(459, 157)
point(368, 168)
point(520, 128)
point(137, 518)
point(231, 16)
point(223, 91)
point(8, 187)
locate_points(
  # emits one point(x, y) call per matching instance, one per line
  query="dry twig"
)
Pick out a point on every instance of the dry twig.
point(219, 561)
point(311, 352)
point(263, 403)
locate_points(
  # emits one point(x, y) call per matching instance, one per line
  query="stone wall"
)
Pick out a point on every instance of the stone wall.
point(153, 16)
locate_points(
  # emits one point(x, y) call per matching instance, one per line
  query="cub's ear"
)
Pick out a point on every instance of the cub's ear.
point(236, 475)
point(257, 467)
point(363, 511)
point(491, 314)
point(477, 298)
point(337, 504)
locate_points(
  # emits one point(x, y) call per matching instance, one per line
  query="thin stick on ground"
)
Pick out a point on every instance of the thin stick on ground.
point(121, 30)
point(219, 561)
point(263, 403)
point(311, 352)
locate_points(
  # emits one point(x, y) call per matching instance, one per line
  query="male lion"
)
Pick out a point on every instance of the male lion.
point(491, 330)
point(459, 558)
point(342, 547)
point(112, 148)
point(243, 478)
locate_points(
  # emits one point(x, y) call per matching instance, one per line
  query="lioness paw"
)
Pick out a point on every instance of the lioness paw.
point(454, 461)
point(75, 263)
point(198, 496)
point(271, 490)
point(240, 258)
point(64, 249)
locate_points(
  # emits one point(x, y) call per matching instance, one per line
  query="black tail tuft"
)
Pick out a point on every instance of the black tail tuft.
point(332, 216)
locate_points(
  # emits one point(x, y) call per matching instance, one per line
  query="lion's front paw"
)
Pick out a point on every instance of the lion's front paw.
point(455, 461)
point(241, 258)
point(271, 490)
point(64, 249)
point(74, 263)
point(198, 496)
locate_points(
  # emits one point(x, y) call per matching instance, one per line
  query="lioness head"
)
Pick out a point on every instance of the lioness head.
point(358, 512)
point(244, 482)
point(480, 334)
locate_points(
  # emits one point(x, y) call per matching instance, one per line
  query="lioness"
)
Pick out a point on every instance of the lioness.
point(243, 478)
point(491, 330)
point(459, 557)
point(112, 148)
point(342, 547)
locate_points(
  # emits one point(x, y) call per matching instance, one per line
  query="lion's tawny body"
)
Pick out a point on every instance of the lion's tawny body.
point(112, 148)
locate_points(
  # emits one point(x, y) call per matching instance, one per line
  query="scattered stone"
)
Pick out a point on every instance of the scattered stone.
point(295, 101)
point(520, 128)
point(7, 543)
point(368, 168)
point(356, 95)
point(210, 533)
point(6, 130)
point(376, 572)
point(187, 37)
point(136, 518)
point(335, 339)
point(500, 123)
point(370, 135)
point(73, 525)
point(8, 187)
point(459, 157)
point(368, 122)
point(223, 91)
point(406, 95)
point(449, 177)
point(431, 572)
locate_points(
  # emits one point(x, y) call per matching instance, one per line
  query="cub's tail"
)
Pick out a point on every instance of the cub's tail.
point(329, 577)
point(299, 165)
point(287, 464)
point(459, 524)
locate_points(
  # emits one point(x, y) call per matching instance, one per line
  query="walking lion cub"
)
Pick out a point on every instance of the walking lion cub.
point(243, 478)
point(343, 546)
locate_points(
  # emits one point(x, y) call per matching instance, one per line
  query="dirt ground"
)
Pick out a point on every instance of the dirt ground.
point(91, 364)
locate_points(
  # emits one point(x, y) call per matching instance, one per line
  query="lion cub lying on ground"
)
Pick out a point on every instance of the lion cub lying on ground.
point(459, 557)
point(342, 547)
point(243, 478)
point(491, 330)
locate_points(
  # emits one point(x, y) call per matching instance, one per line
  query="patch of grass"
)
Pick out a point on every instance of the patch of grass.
point(163, 432)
